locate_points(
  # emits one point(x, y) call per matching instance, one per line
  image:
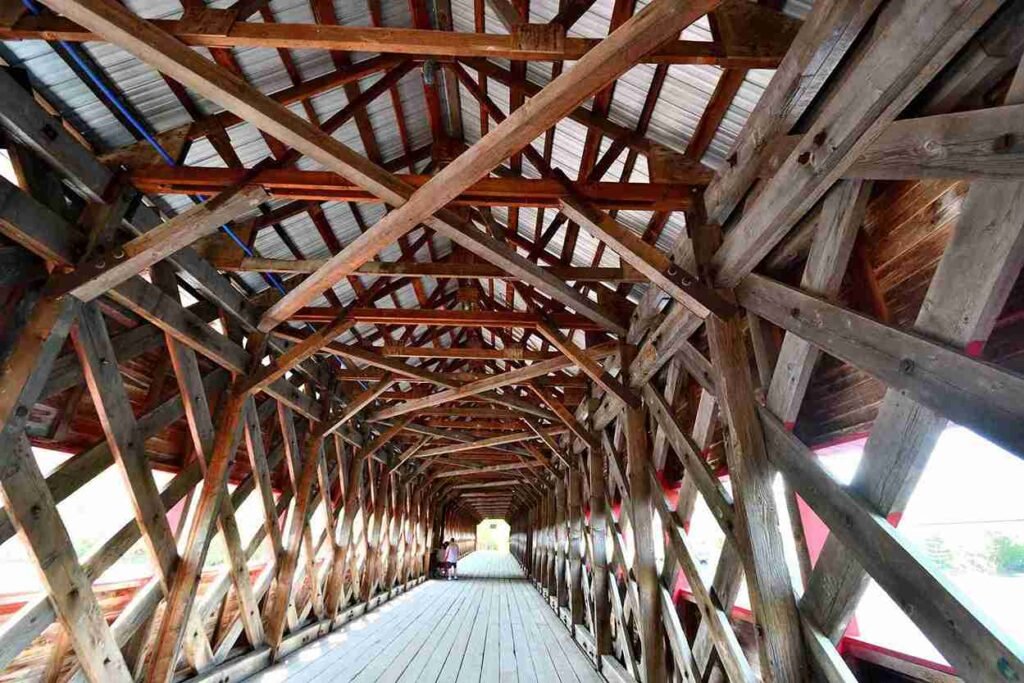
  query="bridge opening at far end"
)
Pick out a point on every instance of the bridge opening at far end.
point(493, 534)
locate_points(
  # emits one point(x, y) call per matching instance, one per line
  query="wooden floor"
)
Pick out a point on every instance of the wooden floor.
point(490, 625)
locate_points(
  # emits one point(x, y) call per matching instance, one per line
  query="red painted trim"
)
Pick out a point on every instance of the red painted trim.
point(851, 645)
point(847, 644)
point(840, 440)
point(975, 348)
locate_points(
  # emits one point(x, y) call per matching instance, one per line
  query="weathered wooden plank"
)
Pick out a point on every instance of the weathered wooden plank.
point(757, 527)
point(974, 394)
point(29, 503)
point(96, 276)
point(641, 517)
point(986, 251)
point(181, 598)
point(974, 145)
point(743, 53)
point(838, 223)
point(972, 643)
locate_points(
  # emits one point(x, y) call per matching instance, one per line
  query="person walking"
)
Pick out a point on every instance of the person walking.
point(440, 559)
point(451, 559)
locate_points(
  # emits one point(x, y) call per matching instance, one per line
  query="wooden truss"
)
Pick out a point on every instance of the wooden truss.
point(566, 416)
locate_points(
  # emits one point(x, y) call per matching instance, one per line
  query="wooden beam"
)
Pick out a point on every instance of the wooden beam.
point(972, 643)
point(584, 360)
point(113, 408)
point(489, 384)
point(28, 500)
point(171, 57)
point(430, 316)
point(31, 224)
point(399, 269)
point(974, 145)
point(200, 422)
point(655, 24)
point(309, 185)
point(359, 402)
point(907, 52)
point(827, 34)
point(689, 452)
point(501, 440)
point(641, 516)
point(750, 51)
point(648, 259)
point(268, 374)
point(970, 285)
point(507, 467)
point(977, 395)
point(280, 596)
point(181, 598)
point(838, 224)
point(100, 274)
point(758, 536)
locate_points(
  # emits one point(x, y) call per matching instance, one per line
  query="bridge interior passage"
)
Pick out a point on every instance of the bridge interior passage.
point(294, 291)
point(492, 624)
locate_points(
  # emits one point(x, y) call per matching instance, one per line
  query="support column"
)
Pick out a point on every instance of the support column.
point(598, 543)
point(561, 587)
point(575, 539)
point(641, 516)
point(758, 538)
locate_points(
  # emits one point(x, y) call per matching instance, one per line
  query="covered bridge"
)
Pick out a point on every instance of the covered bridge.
point(715, 303)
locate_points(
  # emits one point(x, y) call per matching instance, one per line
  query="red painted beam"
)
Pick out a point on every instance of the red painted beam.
point(414, 316)
point(327, 186)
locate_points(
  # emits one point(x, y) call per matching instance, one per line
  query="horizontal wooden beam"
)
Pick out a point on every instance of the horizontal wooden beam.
point(502, 440)
point(469, 472)
point(372, 375)
point(513, 353)
point(484, 271)
point(327, 186)
point(758, 52)
point(490, 383)
point(429, 316)
point(977, 395)
point(973, 145)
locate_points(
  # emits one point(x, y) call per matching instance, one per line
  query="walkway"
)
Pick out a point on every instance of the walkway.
point(491, 625)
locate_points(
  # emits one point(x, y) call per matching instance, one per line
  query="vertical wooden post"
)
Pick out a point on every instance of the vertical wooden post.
point(598, 541)
point(339, 561)
point(758, 537)
point(561, 587)
point(550, 567)
point(27, 356)
point(575, 538)
point(181, 600)
point(641, 516)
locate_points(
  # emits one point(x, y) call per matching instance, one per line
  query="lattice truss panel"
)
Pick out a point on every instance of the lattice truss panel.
point(385, 270)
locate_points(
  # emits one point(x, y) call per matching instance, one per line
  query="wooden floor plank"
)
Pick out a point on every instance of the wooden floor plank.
point(490, 625)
